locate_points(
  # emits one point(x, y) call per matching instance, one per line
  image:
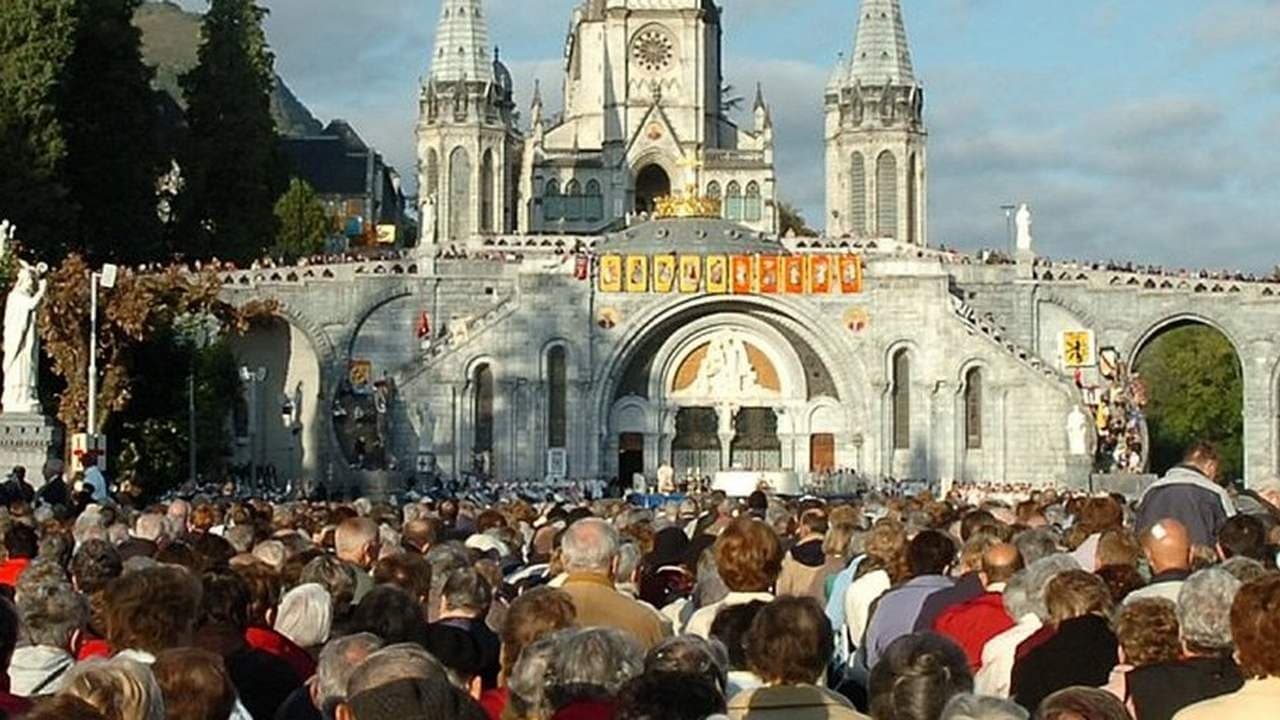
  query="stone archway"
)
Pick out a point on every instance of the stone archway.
point(652, 182)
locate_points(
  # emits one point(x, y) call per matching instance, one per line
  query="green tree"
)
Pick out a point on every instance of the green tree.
point(790, 219)
point(231, 165)
point(303, 223)
point(108, 110)
point(1196, 392)
point(36, 39)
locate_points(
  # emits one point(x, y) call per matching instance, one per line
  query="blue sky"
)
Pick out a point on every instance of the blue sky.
point(1144, 130)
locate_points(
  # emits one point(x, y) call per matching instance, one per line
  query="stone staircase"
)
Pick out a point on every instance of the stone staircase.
point(985, 328)
point(456, 340)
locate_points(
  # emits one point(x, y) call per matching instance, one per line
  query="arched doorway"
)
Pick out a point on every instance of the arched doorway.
point(652, 182)
point(1194, 386)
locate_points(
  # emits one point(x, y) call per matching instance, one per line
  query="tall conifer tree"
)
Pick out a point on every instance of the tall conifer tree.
point(231, 166)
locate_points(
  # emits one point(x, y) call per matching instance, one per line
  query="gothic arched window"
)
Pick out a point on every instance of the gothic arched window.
point(858, 201)
point(594, 201)
point(459, 195)
point(572, 201)
point(901, 400)
point(486, 193)
point(557, 397)
point(482, 407)
point(433, 173)
point(887, 195)
point(912, 200)
point(973, 409)
point(755, 209)
point(552, 203)
point(733, 202)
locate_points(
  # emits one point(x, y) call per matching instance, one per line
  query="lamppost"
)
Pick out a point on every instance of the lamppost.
point(197, 331)
point(105, 279)
point(253, 377)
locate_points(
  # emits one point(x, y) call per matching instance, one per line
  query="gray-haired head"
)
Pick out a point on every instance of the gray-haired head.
point(1014, 597)
point(592, 664)
point(50, 608)
point(980, 707)
point(628, 561)
point(589, 545)
point(1038, 575)
point(1246, 570)
point(467, 590)
point(151, 526)
point(1037, 543)
point(1204, 610)
point(693, 655)
point(402, 661)
point(709, 588)
point(528, 680)
point(338, 662)
point(240, 537)
point(305, 615)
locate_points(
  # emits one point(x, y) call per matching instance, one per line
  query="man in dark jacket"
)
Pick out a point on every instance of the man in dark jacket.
point(1190, 493)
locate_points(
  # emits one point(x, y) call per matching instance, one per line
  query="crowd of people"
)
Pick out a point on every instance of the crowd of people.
point(1011, 604)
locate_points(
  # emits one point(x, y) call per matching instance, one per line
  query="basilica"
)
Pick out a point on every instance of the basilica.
point(600, 291)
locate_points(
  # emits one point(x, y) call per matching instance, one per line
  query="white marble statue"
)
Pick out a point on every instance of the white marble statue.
point(430, 223)
point(726, 371)
point(7, 231)
point(426, 427)
point(1077, 432)
point(1022, 220)
point(22, 341)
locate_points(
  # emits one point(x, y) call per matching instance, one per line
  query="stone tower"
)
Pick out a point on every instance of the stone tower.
point(875, 134)
point(468, 142)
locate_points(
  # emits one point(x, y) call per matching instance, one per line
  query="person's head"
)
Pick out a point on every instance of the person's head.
point(730, 628)
point(335, 576)
point(420, 533)
point(790, 642)
point(669, 696)
point(967, 706)
point(1082, 703)
point(264, 592)
point(532, 616)
point(1117, 547)
point(63, 707)
point(414, 698)
point(813, 523)
point(748, 555)
point(690, 654)
point(1148, 632)
point(916, 677)
point(356, 541)
point(338, 662)
point(305, 615)
point(408, 571)
point(1037, 543)
point(886, 549)
point(590, 545)
point(152, 609)
point(592, 664)
point(195, 685)
point(1255, 624)
point(119, 688)
point(1204, 611)
point(1167, 545)
point(1076, 593)
point(21, 541)
point(975, 520)
point(390, 613)
point(465, 593)
point(1000, 563)
point(52, 611)
point(1244, 536)
point(1244, 569)
point(151, 526)
point(931, 553)
point(527, 678)
point(391, 664)
point(1204, 456)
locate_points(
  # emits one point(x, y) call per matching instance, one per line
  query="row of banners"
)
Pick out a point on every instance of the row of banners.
point(738, 274)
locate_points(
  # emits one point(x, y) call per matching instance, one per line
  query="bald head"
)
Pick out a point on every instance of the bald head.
point(1000, 563)
point(1167, 545)
point(356, 541)
point(420, 534)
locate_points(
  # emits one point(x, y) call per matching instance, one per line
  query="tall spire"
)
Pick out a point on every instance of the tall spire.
point(880, 49)
point(462, 52)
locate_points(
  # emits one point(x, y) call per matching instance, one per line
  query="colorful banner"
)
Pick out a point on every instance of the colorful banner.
point(820, 274)
point(717, 274)
point(637, 274)
point(664, 273)
point(611, 273)
point(581, 267)
point(743, 275)
point(850, 274)
point(793, 275)
point(690, 274)
point(769, 274)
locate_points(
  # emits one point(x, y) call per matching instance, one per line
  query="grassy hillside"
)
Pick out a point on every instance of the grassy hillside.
point(170, 39)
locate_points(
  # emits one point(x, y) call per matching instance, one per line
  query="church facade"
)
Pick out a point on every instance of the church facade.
point(604, 292)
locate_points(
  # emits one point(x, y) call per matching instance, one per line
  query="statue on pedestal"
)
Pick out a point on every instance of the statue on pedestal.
point(429, 224)
point(22, 338)
point(1078, 427)
point(1022, 220)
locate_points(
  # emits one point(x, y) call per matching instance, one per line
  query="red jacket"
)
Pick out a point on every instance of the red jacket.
point(273, 643)
point(11, 569)
point(973, 623)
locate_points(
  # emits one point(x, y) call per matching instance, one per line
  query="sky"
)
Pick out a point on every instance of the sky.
point(1144, 131)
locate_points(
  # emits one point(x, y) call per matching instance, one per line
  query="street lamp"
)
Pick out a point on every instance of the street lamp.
point(105, 279)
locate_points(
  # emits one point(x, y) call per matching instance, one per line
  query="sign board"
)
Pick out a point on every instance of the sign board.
point(83, 444)
point(387, 234)
point(557, 463)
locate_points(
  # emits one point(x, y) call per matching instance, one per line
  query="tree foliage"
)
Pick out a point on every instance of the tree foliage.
point(231, 164)
point(304, 223)
point(790, 219)
point(1196, 390)
point(36, 40)
point(109, 114)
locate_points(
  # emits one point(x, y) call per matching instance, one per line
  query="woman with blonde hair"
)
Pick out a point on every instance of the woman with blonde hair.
point(120, 689)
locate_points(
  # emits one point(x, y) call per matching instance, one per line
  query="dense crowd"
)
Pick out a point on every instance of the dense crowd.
point(1012, 603)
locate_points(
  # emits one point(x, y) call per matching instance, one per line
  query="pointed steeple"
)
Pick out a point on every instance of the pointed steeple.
point(462, 52)
point(880, 49)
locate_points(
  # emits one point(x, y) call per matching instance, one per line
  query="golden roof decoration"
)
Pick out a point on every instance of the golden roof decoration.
point(687, 203)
